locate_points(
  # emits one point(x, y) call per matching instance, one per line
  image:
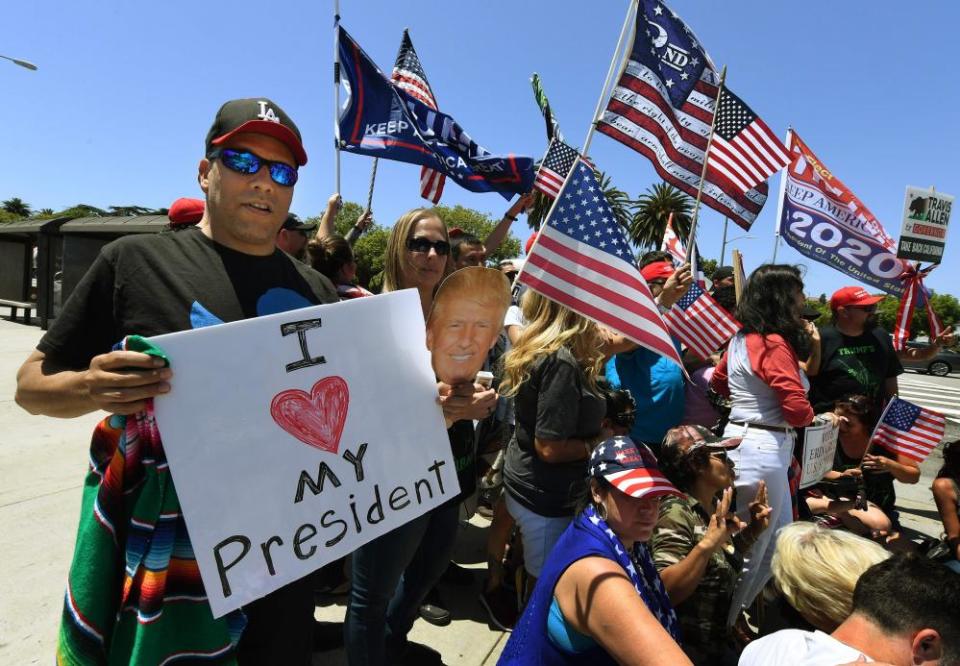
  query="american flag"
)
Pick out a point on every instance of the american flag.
point(663, 108)
point(582, 259)
point(744, 149)
point(408, 74)
point(671, 242)
point(909, 429)
point(555, 167)
point(699, 322)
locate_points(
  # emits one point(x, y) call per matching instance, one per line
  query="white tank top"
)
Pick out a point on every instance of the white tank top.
point(753, 401)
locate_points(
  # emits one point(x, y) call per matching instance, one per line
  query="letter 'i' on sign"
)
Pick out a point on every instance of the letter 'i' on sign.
point(301, 328)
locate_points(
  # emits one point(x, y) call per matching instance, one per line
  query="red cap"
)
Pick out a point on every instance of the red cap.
point(185, 211)
point(529, 243)
point(658, 270)
point(852, 296)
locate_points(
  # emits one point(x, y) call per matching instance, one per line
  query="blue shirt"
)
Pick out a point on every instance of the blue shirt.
point(657, 386)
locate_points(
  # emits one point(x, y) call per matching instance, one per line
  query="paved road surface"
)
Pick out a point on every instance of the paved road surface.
point(941, 394)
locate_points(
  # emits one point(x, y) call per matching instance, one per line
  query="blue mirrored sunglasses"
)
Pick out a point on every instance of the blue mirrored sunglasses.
point(245, 162)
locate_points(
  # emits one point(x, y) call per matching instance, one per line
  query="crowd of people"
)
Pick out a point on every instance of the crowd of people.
point(640, 512)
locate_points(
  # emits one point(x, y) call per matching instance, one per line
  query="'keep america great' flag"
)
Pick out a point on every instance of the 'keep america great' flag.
point(381, 119)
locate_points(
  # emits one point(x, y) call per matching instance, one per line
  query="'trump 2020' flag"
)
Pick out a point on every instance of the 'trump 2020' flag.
point(380, 119)
point(909, 429)
point(582, 260)
point(408, 74)
point(554, 169)
point(700, 323)
point(823, 220)
point(663, 108)
point(744, 150)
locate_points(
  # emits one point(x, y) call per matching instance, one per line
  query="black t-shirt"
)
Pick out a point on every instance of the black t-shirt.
point(464, 452)
point(878, 485)
point(161, 283)
point(554, 403)
point(852, 365)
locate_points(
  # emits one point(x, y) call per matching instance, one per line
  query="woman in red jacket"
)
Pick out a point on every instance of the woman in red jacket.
point(760, 373)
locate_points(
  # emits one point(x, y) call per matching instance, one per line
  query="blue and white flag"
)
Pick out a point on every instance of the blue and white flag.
point(380, 119)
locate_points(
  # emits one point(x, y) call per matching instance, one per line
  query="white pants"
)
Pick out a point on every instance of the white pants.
point(764, 455)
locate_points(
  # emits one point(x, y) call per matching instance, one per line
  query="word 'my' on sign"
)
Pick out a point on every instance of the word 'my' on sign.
point(926, 215)
point(297, 437)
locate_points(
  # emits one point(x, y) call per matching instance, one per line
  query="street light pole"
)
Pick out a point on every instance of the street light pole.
point(22, 63)
point(723, 248)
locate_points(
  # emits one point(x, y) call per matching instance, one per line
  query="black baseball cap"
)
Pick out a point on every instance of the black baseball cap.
point(293, 223)
point(722, 272)
point(257, 115)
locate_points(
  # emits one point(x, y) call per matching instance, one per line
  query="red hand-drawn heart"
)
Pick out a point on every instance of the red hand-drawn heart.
point(315, 418)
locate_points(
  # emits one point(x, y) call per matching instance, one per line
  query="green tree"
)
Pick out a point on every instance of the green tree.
point(17, 207)
point(370, 248)
point(7, 217)
point(480, 225)
point(651, 212)
point(44, 212)
point(81, 210)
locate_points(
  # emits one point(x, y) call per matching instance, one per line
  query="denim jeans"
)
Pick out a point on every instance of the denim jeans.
point(391, 577)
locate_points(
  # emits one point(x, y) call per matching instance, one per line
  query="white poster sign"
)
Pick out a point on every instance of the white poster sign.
point(819, 447)
point(926, 215)
point(297, 437)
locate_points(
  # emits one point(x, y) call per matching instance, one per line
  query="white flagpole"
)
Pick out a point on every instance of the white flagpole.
point(706, 155)
point(633, 4)
point(783, 191)
point(723, 246)
point(336, 88)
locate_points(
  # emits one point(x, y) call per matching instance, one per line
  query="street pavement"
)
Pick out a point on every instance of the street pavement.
point(941, 394)
point(43, 462)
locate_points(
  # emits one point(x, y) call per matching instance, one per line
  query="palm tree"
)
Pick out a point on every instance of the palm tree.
point(653, 209)
point(17, 206)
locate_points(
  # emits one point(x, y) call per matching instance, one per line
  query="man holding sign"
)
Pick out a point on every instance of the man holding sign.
point(226, 269)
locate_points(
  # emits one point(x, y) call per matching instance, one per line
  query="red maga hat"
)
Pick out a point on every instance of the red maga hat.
point(848, 296)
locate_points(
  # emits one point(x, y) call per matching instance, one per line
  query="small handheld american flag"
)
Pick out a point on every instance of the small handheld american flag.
point(909, 429)
point(699, 322)
point(408, 74)
point(671, 242)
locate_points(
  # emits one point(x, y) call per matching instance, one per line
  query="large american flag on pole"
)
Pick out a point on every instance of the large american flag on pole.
point(744, 150)
point(699, 322)
point(582, 259)
point(663, 108)
point(909, 429)
point(554, 168)
point(408, 74)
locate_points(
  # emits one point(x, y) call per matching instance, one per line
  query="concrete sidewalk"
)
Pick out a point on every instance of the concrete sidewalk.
point(42, 465)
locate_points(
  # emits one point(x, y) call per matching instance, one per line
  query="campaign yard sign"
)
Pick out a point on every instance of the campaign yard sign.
point(295, 438)
point(819, 448)
point(926, 215)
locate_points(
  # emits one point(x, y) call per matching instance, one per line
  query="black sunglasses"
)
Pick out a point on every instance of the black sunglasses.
point(423, 245)
point(247, 163)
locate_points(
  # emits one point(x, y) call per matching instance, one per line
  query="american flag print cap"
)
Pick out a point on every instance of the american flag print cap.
point(631, 468)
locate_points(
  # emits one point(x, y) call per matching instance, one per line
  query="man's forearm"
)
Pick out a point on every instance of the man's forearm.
point(52, 392)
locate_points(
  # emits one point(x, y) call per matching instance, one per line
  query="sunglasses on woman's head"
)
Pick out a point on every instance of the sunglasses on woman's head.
point(247, 163)
point(423, 245)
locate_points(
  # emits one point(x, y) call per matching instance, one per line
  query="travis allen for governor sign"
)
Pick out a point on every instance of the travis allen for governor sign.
point(926, 215)
point(297, 437)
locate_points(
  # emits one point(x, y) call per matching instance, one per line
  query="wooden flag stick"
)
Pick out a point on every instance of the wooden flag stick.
point(706, 155)
point(633, 4)
point(737, 274)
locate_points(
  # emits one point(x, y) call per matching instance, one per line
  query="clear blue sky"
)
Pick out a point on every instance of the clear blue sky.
point(126, 91)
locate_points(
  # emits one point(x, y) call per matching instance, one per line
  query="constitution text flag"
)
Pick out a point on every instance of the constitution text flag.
point(663, 106)
point(699, 322)
point(554, 169)
point(409, 76)
point(744, 150)
point(582, 260)
point(910, 430)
